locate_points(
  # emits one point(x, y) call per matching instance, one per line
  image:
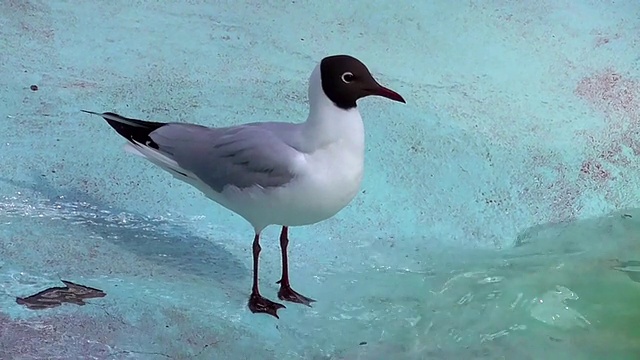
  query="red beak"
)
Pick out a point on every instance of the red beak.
point(388, 93)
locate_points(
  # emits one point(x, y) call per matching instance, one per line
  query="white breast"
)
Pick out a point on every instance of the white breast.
point(332, 180)
point(328, 177)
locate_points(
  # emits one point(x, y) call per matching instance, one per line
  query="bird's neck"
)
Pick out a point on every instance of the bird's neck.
point(327, 123)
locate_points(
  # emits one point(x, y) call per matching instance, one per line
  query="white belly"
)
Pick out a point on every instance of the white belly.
point(320, 194)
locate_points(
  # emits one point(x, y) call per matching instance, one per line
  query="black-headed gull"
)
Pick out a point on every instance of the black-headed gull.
point(272, 173)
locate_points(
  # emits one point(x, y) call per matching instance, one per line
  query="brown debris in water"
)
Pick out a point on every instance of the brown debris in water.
point(52, 297)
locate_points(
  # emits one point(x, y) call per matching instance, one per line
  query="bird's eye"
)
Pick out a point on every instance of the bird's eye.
point(348, 77)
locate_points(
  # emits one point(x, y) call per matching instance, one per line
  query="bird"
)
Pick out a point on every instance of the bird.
point(272, 173)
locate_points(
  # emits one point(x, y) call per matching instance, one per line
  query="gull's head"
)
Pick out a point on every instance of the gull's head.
point(346, 79)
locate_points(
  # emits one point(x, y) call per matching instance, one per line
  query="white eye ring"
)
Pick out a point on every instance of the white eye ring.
point(347, 77)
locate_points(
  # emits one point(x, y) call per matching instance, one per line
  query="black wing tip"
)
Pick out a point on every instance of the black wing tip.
point(133, 130)
point(103, 114)
point(91, 112)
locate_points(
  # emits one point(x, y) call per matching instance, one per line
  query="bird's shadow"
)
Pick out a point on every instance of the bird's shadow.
point(144, 237)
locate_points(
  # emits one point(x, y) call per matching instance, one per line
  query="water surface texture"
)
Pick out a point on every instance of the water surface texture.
point(498, 218)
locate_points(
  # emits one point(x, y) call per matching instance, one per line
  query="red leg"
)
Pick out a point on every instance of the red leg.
point(257, 303)
point(286, 293)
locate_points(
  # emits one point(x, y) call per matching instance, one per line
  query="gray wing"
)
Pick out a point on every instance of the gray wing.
point(242, 156)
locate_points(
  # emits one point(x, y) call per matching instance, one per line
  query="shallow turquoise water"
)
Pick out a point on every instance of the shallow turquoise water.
point(491, 223)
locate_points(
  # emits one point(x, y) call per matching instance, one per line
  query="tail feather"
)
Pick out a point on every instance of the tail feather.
point(140, 144)
point(134, 130)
